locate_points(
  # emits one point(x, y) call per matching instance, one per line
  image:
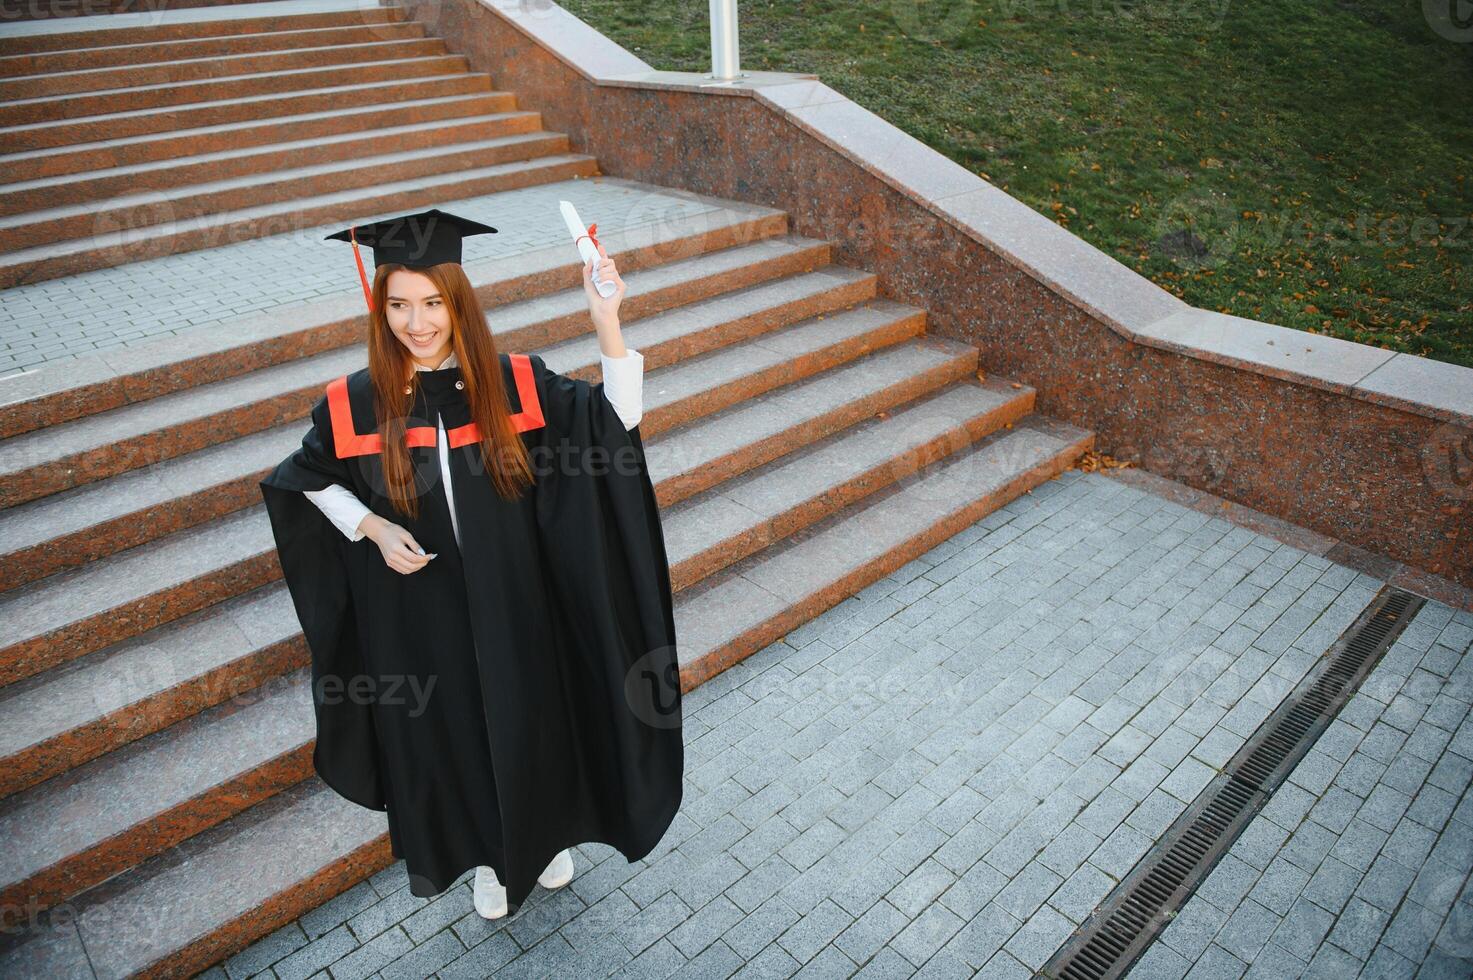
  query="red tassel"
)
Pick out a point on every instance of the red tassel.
point(362, 275)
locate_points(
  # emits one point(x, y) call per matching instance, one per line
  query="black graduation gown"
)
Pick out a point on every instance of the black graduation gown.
point(519, 694)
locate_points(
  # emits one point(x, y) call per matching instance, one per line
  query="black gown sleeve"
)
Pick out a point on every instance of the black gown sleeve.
point(604, 554)
point(313, 556)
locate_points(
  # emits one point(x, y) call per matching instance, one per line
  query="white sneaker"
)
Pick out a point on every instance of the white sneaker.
point(490, 894)
point(559, 872)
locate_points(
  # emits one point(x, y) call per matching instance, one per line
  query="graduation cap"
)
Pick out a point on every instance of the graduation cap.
point(418, 241)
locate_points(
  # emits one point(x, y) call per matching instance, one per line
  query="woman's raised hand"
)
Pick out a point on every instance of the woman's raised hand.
point(603, 311)
point(401, 552)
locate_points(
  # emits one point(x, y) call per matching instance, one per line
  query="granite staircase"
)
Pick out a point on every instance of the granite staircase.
point(126, 143)
point(805, 433)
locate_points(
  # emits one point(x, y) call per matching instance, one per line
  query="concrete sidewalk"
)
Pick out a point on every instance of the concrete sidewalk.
point(941, 776)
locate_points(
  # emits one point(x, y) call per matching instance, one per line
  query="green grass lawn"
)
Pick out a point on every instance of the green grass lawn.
point(1296, 161)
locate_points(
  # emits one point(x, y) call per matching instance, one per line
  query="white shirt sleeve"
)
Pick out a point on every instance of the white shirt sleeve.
point(624, 385)
point(342, 507)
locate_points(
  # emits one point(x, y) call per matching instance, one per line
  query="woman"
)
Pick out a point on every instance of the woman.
point(495, 667)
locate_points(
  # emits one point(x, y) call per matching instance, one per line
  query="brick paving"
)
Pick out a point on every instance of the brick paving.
point(140, 302)
point(1359, 865)
point(942, 775)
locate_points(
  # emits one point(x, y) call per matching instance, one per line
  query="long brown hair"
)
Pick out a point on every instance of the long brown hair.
point(391, 367)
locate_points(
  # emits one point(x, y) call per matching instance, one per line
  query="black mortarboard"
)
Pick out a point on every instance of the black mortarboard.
point(416, 240)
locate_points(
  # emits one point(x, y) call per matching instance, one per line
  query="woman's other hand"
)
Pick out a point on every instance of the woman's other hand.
point(401, 552)
point(605, 312)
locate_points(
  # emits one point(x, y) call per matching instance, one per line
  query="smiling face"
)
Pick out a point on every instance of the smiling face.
point(419, 317)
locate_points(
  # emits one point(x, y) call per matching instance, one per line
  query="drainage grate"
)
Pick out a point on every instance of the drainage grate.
point(1133, 915)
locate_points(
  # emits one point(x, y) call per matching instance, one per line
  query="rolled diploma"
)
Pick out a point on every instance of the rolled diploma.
point(579, 231)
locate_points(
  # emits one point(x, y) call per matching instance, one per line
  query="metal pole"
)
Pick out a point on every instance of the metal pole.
point(725, 57)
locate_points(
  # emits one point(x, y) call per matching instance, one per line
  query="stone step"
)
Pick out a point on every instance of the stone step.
point(63, 617)
point(159, 208)
point(745, 607)
point(71, 39)
point(701, 454)
point(744, 514)
point(67, 615)
point(60, 457)
point(733, 374)
point(81, 186)
point(719, 622)
point(255, 109)
point(145, 52)
point(157, 65)
point(30, 111)
point(82, 828)
point(112, 248)
point(62, 718)
point(77, 526)
point(213, 894)
point(681, 259)
point(475, 114)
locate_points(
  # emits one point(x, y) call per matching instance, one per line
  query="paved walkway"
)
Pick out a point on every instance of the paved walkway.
point(942, 775)
point(142, 301)
point(1359, 865)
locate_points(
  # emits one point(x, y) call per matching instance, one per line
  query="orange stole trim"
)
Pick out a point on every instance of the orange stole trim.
point(530, 417)
point(348, 442)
